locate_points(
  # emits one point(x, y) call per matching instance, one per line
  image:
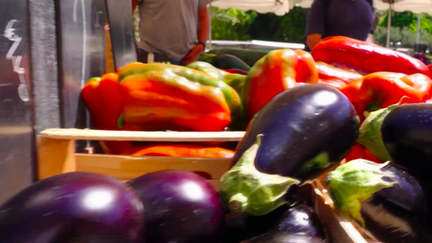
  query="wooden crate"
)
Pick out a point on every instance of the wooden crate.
point(56, 154)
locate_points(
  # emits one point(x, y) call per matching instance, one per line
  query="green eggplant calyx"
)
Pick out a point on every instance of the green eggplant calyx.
point(354, 182)
point(250, 191)
point(370, 132)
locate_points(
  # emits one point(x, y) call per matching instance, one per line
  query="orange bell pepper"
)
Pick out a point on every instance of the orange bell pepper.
point(167, 97)
point(180, 150)
point(275, 72)
point(383, 89)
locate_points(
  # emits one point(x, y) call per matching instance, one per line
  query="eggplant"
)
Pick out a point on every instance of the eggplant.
point(407, 135)
point(384, 199)
point(297, 135)
point(305, 129)
point(181, 207)
point(280, 237)
point(299, 219)
point(74, 207)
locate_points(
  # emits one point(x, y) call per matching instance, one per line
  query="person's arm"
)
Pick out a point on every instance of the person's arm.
point(315, 24)
point(202, 35)
point(203, 25)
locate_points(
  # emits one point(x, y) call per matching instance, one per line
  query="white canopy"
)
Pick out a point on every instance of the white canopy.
point(279, 7)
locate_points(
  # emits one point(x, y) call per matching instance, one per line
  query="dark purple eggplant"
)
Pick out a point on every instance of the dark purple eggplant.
point(180, 207)
point(305, 130)
point(384, 199)
point(296, 136)
point(282, 237)
point(299, 219)
point(407, 135)
point(73, 208)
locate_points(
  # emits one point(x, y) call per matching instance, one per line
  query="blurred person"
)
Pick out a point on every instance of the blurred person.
point(172, 31)
point(351, 18)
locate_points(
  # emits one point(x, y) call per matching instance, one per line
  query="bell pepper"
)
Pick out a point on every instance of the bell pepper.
point(169, 97)
point(360, 152)
point(231, 96)
point(331, 72)
point(275, 72)
point(104, 103)
point(366, 57)
point(382, 89)
point(234, 80)
point(180, 150)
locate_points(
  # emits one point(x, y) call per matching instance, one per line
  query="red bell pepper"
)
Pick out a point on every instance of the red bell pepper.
point(331, 72)
point(384, 89)
point(366, 57)
point(105, 105)
point(275, 72)
point(360, 152)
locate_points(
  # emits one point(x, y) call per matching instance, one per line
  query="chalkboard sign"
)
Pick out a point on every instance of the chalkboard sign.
point(16, 119)
point(81, 52)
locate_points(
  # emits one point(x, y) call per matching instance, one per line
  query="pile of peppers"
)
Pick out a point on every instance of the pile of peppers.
point(201, 97)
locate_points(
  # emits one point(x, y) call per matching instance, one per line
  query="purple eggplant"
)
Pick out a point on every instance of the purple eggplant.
point(296, 136)
point(386, 200)
point(180, 207)
point(73, 208)
point(305, 130)
point(282, 237)
point(407, 135)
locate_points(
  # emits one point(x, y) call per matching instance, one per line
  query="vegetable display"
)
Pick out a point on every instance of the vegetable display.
point(351, 116)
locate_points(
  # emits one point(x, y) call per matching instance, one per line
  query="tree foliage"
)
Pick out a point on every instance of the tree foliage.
point(231, 24)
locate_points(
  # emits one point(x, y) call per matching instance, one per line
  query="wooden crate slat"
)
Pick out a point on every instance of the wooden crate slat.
point(168, 136)
point(128, 167)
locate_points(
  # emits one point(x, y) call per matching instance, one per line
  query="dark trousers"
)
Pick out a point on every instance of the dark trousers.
point(144, 56)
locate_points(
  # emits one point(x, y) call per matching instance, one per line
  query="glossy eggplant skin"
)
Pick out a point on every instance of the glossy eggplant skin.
point(73, 208)
point(300, 219)
point(398, 213)
point(407, 135)
point(181, 207)
point(280, 237)
point(297, 220)
point(299, 125)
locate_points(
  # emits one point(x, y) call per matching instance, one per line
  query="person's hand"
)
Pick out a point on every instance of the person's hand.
point(193, 54)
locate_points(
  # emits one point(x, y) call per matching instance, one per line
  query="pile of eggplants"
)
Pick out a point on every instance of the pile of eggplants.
point(166, 206)
point(393, 200)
